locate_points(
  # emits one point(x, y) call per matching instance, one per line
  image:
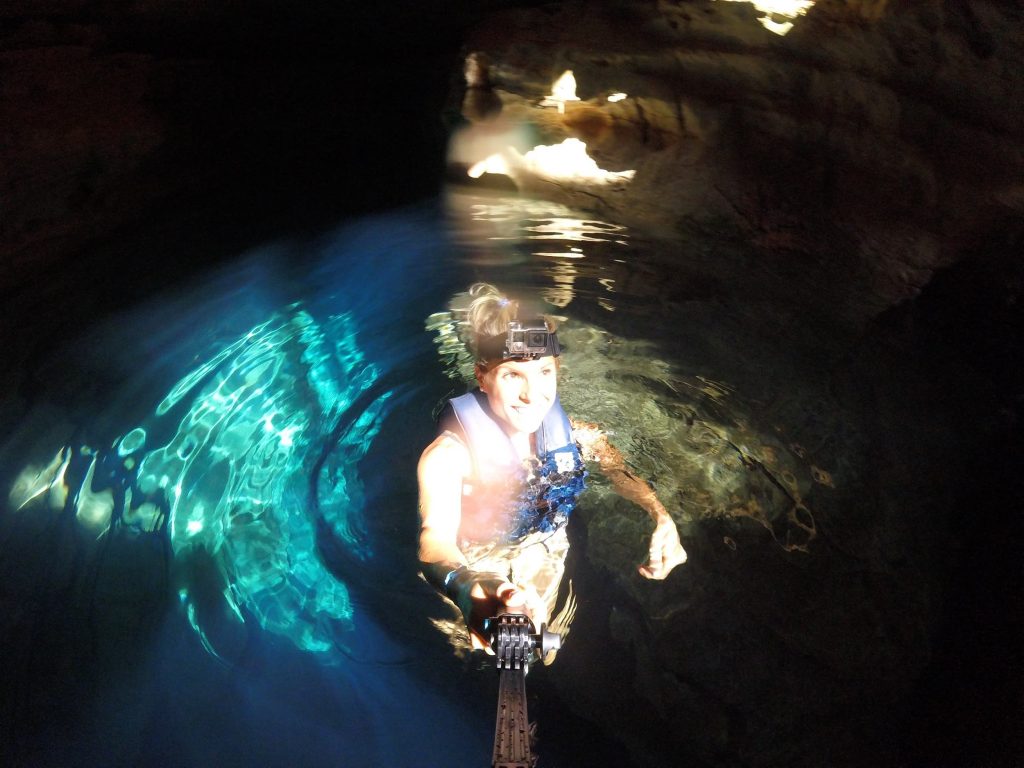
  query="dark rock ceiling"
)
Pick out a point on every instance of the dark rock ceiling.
point(115, 111)
point(886, 137)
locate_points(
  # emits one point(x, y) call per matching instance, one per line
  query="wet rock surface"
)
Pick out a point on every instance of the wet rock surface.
point(873, 144)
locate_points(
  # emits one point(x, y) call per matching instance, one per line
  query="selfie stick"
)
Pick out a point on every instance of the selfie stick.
point(515, 645)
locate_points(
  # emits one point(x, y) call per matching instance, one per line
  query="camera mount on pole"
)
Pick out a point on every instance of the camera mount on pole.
point(516, 645)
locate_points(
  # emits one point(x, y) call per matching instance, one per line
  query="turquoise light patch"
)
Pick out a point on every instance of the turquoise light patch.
point(229, 479)
point(132, 442)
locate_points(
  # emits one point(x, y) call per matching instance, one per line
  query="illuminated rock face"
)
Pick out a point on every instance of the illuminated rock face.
point(885, 141)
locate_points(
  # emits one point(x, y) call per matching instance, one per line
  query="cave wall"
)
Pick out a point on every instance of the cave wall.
point(120, 113)
point(884, 140)
point(145, 141)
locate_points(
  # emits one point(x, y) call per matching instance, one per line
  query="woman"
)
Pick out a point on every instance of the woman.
point(499, 482)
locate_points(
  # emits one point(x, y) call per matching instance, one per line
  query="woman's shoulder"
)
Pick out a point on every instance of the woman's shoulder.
point(586, 432)
point(591, 439)
point(447, 453)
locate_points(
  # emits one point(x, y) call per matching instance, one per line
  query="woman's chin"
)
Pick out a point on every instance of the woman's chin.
point(526, 423)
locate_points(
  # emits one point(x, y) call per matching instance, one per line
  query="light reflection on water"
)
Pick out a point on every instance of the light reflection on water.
point(229, 445)
point(711, 449)
point(243, 427)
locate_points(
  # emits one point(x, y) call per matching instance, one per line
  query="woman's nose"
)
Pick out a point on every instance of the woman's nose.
point(524, 391)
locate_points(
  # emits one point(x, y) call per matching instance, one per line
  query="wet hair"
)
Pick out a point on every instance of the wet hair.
point(490, 311)
point(488, 314)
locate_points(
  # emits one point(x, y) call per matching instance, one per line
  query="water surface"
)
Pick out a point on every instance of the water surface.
point(210, 521)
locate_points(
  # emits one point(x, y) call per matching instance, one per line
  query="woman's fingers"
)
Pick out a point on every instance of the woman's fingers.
point(511, 595)
point(524, 600)
point(665, 553)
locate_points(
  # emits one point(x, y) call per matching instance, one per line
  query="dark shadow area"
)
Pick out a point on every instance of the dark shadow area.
point(167, 139)
point(967, 332)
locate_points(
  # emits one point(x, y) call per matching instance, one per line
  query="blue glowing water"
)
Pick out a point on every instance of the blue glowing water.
point(233, 429)
point(261, 430)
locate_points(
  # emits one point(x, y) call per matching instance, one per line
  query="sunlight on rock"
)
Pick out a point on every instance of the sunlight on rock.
point(494, 164)
point(473, 144)
point(567, 161)
point(570, 161)
point(563, 90)
point(776, 27)
point(786, 9)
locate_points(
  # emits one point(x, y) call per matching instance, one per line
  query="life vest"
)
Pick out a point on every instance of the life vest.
point(507, 498)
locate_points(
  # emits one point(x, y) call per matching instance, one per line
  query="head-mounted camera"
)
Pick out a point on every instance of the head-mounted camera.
point(525, 340)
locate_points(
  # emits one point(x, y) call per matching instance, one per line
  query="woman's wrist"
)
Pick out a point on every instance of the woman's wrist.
point(440, 574)
point(659, 514)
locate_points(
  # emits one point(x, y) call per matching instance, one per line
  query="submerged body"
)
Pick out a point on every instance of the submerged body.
point(499, 482)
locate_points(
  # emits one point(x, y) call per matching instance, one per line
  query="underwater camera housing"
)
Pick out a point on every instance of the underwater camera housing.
point(530, 338)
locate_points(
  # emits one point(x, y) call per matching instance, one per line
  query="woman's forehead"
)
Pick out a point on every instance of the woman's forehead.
point(525, 366)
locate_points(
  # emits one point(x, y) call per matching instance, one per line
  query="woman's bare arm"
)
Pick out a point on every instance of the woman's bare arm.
point(666, 551)
point(441, 470)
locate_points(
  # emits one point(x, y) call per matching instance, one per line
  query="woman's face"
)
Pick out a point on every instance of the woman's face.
point(521, 392)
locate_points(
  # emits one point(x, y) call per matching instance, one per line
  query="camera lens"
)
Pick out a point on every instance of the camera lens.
point(538, 339)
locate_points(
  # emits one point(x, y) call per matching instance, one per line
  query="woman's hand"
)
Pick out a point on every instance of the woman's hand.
point(492, 598)
point(524, 600)
point(666, 552)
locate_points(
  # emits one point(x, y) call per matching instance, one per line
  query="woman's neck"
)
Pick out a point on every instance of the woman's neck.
point(524, 444)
